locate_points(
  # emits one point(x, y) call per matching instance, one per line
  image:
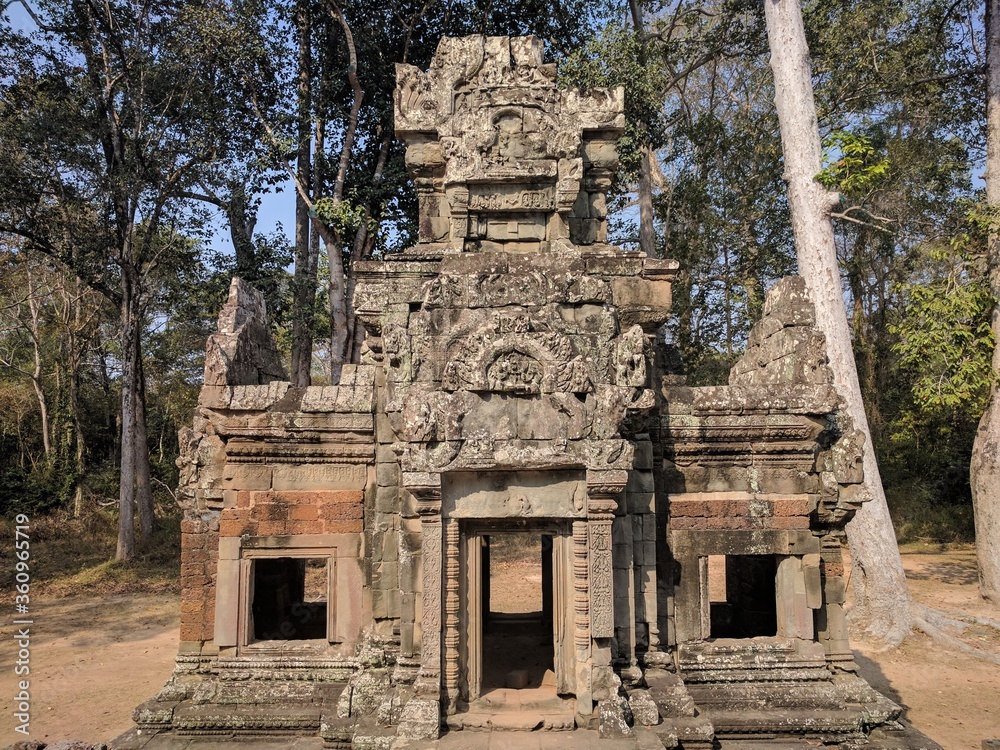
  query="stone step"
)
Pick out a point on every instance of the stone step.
point(247, 718)
point(512, 721)
point(765, 696)
point(780, 721)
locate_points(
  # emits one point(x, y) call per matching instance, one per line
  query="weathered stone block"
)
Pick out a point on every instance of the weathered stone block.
point(320, 477)
point(343, 526)
point(387, 474)
point(630, 292)
point(269, 512)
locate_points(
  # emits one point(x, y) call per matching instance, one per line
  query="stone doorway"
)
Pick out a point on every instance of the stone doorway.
point(518, 638)
point(504, 649)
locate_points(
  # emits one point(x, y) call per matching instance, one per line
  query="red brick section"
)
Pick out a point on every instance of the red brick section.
point(832, 569)
point(265, 513)
point(199, 563)
point(287, 513)
point(742, 513)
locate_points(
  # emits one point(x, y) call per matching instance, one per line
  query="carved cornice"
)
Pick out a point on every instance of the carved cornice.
point(426, 490)
point(603, 491)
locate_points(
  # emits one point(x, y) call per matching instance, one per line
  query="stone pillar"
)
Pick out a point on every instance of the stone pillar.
point(603, 489)
point(581, 620)
point(421, 716)
point(831, 621)
point(451, 615)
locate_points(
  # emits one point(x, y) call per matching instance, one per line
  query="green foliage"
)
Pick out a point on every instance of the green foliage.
point(342, 216)
point(854, 164)
point(946, 342)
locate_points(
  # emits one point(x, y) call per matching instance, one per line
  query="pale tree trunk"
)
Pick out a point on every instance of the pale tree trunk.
point(126, 494)
point(74, 323)
point(984, 469)
point(143, 486)
point(647, 238)
point(883, 600)
point(36, 373)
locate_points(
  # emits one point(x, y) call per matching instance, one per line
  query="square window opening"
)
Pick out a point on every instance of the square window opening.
point(289, 601)
point(742, 596)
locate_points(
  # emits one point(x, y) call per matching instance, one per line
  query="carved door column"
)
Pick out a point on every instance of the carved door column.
point(452, 634)
point(581, 620)
point(603, 489)
point(426, 491)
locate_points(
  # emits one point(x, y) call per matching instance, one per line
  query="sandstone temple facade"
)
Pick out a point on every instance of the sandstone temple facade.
point(514, 380)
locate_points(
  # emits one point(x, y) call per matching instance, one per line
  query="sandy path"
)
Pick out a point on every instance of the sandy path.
point(92, 661)
point(951, 697)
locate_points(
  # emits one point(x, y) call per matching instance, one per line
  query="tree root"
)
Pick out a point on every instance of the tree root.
point(889, 632)
point(935, 624)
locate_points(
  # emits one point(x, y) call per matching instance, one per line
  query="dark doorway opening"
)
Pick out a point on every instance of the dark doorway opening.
point(518, 650)
point(741, 594)
point(290, 598)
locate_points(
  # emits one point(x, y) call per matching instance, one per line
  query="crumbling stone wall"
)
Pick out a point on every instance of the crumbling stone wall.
point(199, 563)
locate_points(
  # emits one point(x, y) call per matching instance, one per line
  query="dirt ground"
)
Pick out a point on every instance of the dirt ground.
point(951, 696)
point(94, 658)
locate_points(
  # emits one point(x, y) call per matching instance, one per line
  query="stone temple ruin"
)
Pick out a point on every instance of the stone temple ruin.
point(514, 380)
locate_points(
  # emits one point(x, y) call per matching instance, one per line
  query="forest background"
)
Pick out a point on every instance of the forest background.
point(135, 134)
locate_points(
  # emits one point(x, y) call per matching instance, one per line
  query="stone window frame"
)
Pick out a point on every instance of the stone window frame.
point(794, 601)
point(346, 607)
point(246, 643)
point(797, 576)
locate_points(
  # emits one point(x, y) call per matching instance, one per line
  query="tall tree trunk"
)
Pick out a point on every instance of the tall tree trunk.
point(242, 220)
point(36, 373)
point(75, 328)
point(143, 486)
point(318, 175)
point(647, 242)
point(984, 468)
point(337, 285)
point(304, 281)
point(647, 237)
point(130, 320)
point(883, 600)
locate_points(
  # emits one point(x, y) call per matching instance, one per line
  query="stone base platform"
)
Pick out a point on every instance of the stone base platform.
point(899, 738)
point(516, 710)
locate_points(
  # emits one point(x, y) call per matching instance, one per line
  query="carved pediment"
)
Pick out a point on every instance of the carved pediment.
point(506, 356)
